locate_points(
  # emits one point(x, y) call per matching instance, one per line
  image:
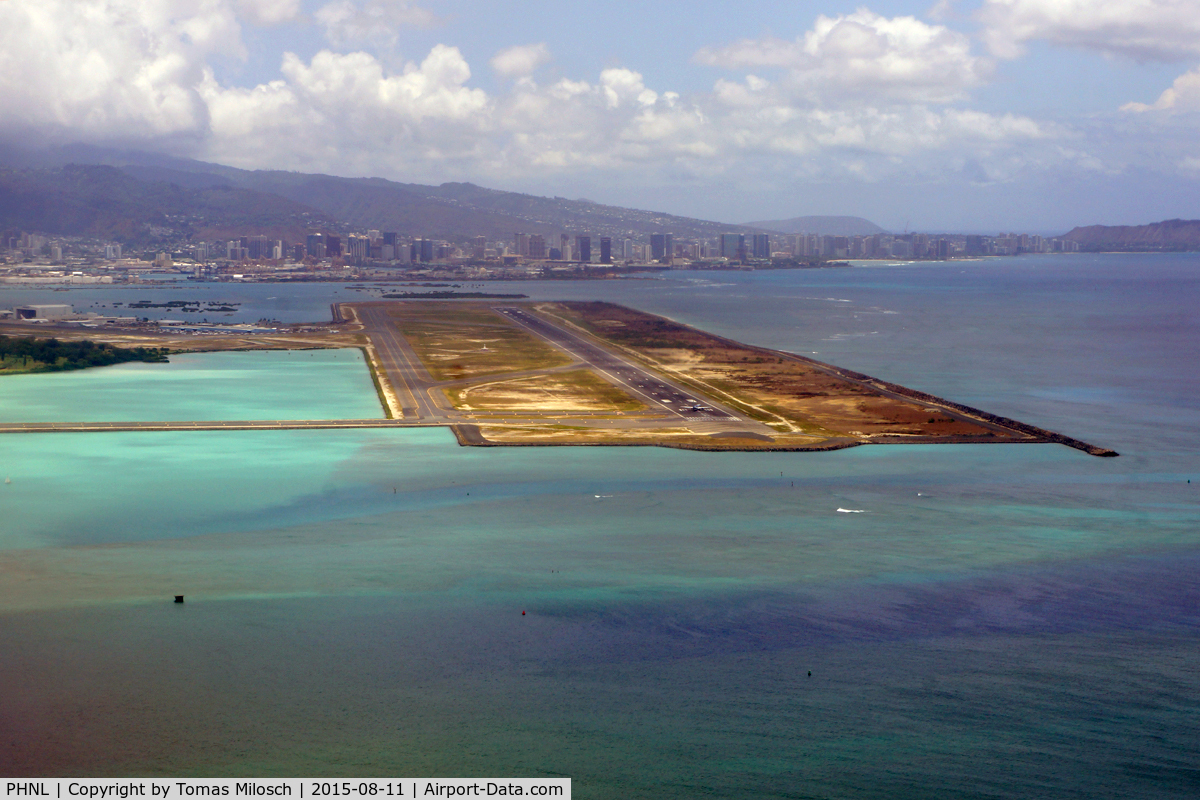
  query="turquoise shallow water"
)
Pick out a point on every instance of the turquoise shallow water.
point(779, 512)
point(1001, 621)
point(264, 384)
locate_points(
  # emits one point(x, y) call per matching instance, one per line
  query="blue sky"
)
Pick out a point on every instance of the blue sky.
point(984, 115)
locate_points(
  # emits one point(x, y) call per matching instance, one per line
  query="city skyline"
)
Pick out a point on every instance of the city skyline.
point(960, 116)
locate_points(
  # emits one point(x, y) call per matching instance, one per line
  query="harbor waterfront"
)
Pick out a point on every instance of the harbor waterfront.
point(876, 622)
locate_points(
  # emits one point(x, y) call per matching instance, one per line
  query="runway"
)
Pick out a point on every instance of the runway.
point(423, 403)
point(654, 390)
point(408, 377)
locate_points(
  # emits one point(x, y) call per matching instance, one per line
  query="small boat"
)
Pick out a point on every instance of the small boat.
point(8, 480)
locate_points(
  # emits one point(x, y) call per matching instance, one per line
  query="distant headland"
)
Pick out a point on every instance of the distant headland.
point(1172, 235)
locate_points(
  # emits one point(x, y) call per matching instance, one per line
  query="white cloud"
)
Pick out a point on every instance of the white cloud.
point(521, 60)
point(343, 83)
point(894, 132)
point(859, 97)
point(344, 111)
point(941, 10)
point(745, 93)
point(618, 122)
point(99, 69)
point(864, 54)
point(1146, 30)
point(1183, 95)
point(375, 22)
point(625, 86)
point(269, 12)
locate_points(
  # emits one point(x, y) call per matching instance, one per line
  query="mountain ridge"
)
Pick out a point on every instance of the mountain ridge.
point(1171, 234)
point(453, 211)
point(106, 202)
point(821, 225)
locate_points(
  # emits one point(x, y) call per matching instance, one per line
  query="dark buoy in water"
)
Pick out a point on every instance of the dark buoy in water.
point(810, 673)
point(522, 613)
point(178, 598)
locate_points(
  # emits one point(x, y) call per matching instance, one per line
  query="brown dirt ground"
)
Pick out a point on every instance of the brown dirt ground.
point(573, 391)
point(509, 434)
point(808, 398)
point(458, 340)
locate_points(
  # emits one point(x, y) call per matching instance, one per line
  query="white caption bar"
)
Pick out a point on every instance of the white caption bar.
point(300, 788)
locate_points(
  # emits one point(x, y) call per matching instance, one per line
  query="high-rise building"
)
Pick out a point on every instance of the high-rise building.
point(762, 245)
point(521, 244)
point(662, 246)
point(112, 251)
point(479, 248)
point(920, 243)
point(423, 250)
point(974, 245)
point(257, 246)
point(583, 249)
point(315, 245)
point(605, 250)
point(333, 245)
point(733, 246)
point(537, 246)
point(358, 249)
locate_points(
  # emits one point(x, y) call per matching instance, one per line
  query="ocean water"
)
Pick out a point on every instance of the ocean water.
point(255, 385)
point(995, 621)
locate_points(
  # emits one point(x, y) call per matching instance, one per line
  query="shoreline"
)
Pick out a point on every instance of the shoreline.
point(1040, 434)
point(657, 432)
